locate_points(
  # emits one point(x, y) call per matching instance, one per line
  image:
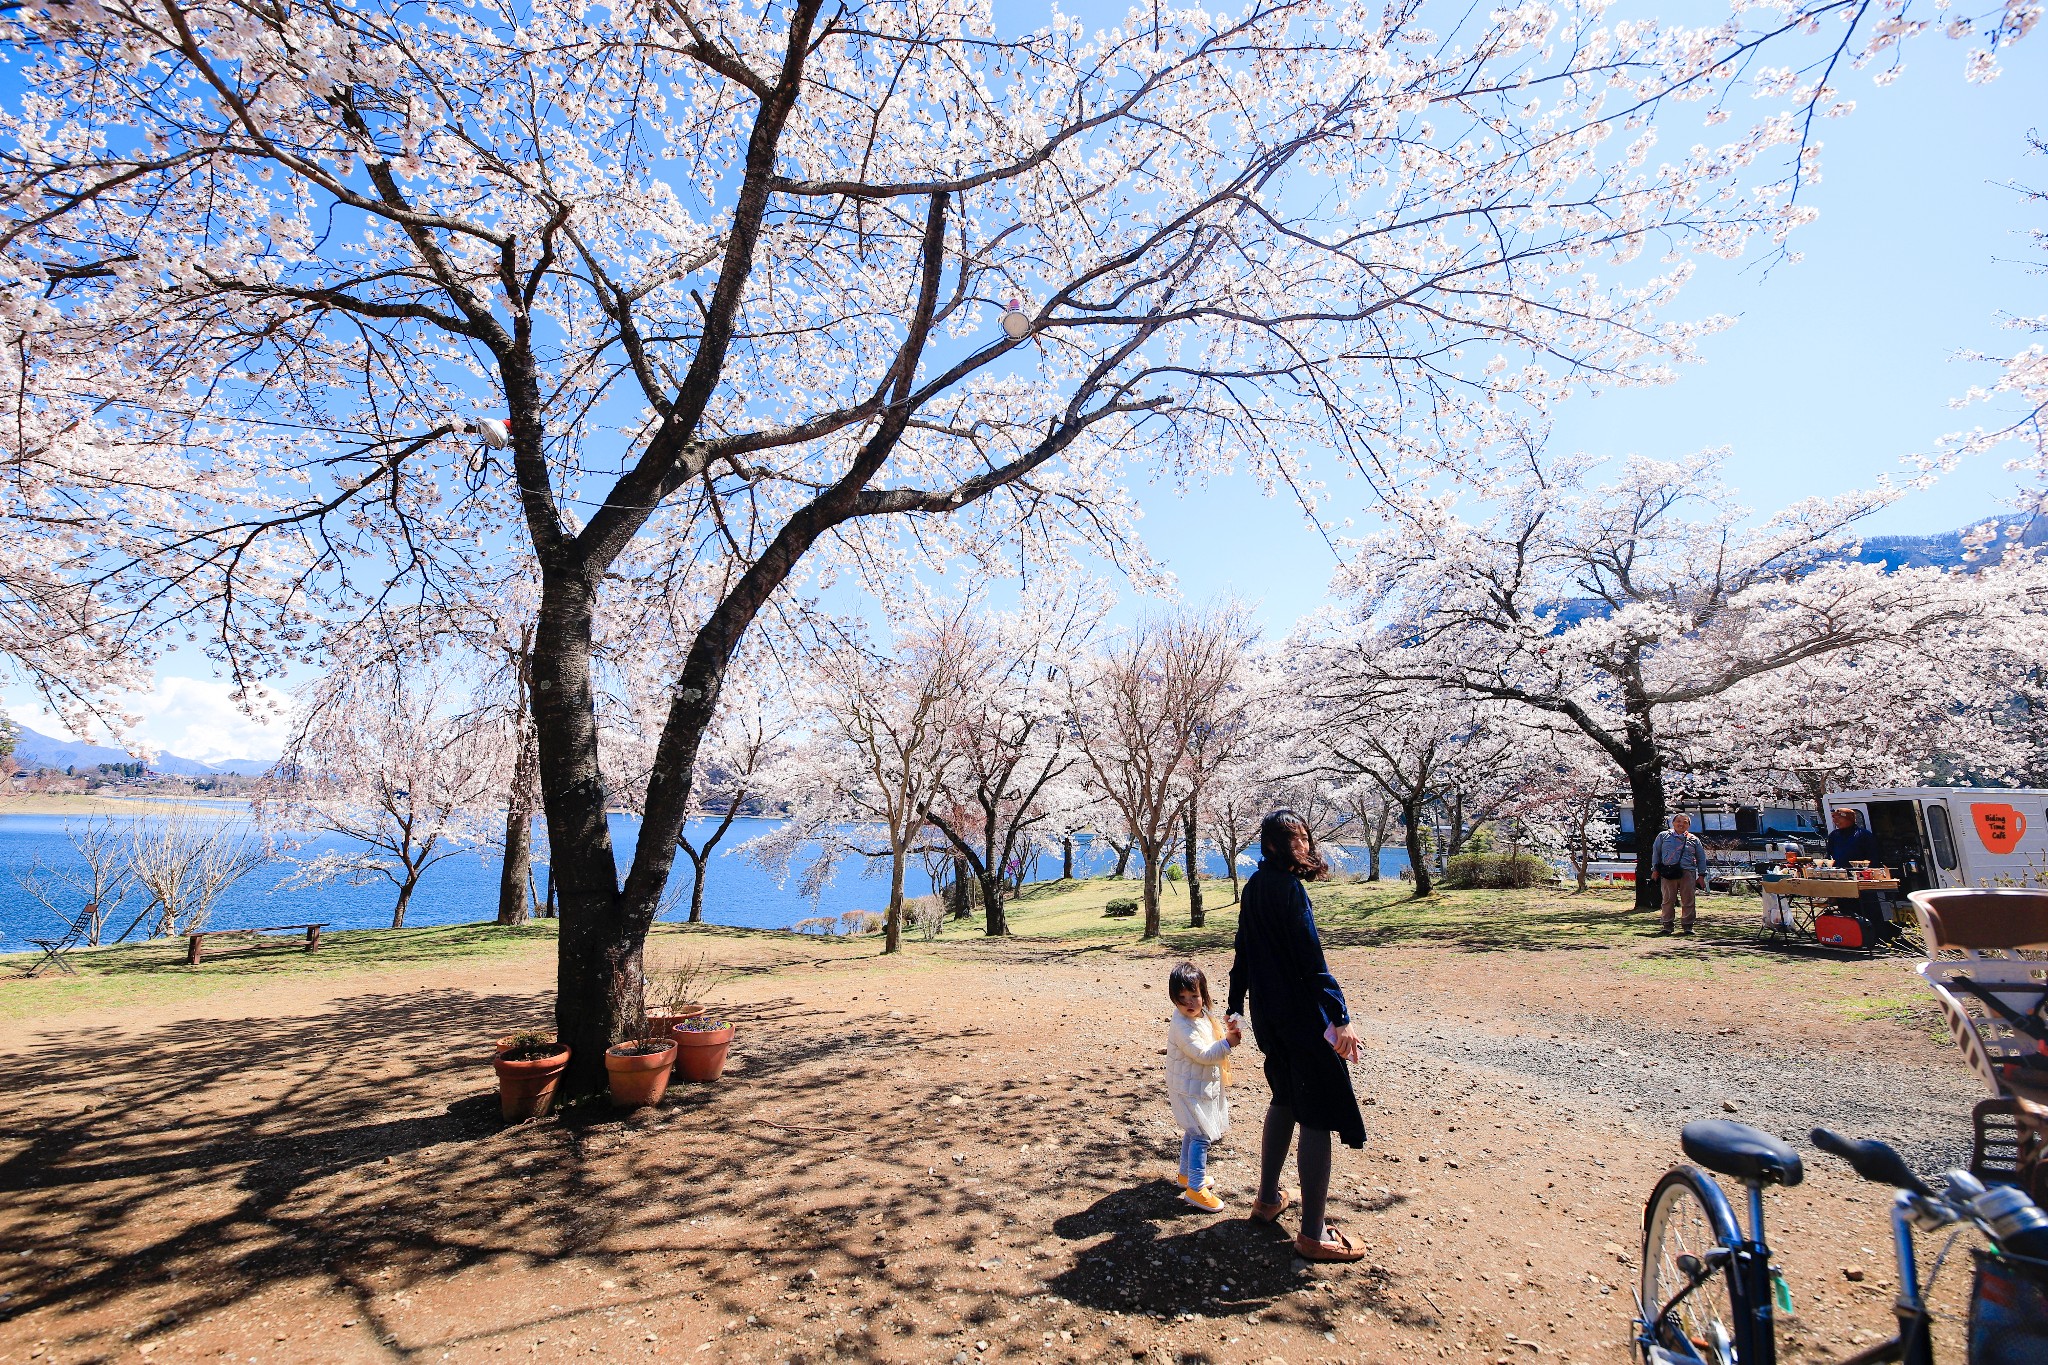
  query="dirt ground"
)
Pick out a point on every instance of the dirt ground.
point(962, 1155)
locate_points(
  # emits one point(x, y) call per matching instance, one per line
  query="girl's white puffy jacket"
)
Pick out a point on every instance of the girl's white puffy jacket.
point(1194, 1076)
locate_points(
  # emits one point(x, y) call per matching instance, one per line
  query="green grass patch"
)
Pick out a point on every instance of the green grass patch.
point(156, 971)
point(1349, 914)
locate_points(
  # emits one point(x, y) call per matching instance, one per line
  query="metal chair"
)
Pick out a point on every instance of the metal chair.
point(57, 951)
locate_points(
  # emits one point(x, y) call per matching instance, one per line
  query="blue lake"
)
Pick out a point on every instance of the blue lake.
point(464, 887)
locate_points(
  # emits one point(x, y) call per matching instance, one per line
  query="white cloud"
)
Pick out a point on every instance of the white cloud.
point(189, 717)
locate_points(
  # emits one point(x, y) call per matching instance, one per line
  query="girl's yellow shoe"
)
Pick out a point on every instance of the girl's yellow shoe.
point(1203, 1199)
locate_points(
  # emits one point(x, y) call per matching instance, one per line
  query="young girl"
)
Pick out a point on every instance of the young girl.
point(1197, 1055)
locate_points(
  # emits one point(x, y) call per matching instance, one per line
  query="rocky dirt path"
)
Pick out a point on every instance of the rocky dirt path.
point(959, 1156)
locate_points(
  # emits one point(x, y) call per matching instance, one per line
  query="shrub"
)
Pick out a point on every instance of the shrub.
point(1120, 909)
point(927, 914)
point(862, 922)
point(1496, 870)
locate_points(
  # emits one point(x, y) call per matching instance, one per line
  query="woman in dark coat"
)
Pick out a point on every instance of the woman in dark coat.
point(1302, 1026)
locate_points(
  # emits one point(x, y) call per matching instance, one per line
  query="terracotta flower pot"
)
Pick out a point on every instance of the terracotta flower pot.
point(700, 1056)
point(638, 1079)
point(526, 1090)
point(658, 1025)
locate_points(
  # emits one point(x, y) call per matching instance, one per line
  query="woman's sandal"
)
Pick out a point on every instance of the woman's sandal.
point(1263, 1212)
point(1335, 1246)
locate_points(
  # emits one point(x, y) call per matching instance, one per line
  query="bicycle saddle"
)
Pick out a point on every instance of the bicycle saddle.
point(1741, 1151)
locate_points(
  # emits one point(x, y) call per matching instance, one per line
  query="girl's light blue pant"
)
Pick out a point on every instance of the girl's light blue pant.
point(1194, 1160)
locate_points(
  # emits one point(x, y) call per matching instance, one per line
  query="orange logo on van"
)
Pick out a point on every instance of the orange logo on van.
point(1999, 826)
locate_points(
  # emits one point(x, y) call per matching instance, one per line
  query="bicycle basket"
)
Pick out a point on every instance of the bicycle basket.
point(2008, 1310)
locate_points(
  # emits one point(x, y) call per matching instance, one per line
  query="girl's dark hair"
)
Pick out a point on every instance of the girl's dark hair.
point(1188, 977)
point(1285, 842)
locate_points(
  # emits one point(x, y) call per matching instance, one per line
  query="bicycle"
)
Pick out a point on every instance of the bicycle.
point(1709, 1291)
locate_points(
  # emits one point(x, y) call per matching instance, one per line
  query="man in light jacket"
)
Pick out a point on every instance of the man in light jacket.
point(1679, 860)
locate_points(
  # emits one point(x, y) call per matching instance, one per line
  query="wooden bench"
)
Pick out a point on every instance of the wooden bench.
point(192, 953)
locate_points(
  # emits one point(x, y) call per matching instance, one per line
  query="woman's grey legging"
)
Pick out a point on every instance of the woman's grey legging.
point(1313, 1163)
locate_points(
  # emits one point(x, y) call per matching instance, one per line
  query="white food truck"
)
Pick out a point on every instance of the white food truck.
point(1955, 836)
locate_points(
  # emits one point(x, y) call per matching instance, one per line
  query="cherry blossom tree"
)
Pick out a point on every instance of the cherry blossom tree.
point(742, 765)
point(1419, 745)
point(1563, 797)
point(1010, 737)
point(1612, 605)
point(2020, 380)
point(388, 763)
point(1234, 801)
point(311, 307)
point(1140, 712)
point(874, 769)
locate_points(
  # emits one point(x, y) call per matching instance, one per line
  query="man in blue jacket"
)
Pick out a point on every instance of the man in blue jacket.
point(1849, 842)
point(1679, 860)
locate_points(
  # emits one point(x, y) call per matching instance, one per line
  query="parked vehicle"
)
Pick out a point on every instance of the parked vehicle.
point(1935, 837)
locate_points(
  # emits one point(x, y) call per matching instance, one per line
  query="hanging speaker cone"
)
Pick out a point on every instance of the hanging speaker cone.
point(1015, 323)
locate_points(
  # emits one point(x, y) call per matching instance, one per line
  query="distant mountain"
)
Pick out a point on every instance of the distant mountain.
point(181, 767)
point(245, 767)
point(1944, 551)
point(33, 749)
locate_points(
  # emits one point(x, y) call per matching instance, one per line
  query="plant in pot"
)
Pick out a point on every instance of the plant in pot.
point(637, 1072)
point(701, 1046)
point(529, 1066)
point(675, 991)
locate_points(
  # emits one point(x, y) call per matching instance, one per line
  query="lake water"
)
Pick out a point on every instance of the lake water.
point(464, 887)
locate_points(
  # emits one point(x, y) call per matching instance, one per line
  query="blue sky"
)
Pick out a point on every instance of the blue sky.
point(1842, 364)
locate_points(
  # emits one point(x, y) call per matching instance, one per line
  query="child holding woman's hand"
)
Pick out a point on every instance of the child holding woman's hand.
point(1197, 1065)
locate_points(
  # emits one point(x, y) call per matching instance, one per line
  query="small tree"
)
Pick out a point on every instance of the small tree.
point(884, 755)
point(738, 766)
point(1140, 713)
point(1010, 737)
point(99, 879)
point(1413, 743)
point(381, 762)
point(186, 862)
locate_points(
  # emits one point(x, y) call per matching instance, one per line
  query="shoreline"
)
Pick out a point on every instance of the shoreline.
point(78, 803)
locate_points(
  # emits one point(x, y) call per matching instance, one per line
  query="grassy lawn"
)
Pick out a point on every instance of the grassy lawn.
point(1049, 916)
point(1350, 914)
point(155, 969)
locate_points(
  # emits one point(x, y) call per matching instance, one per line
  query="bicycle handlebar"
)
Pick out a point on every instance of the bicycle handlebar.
point(1873, 1160)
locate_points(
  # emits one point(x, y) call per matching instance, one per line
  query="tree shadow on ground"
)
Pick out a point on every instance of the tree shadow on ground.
point(190, 1166)
point(1164, 1257)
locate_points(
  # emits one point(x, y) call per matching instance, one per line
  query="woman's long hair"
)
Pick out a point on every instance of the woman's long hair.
point(1286, 845)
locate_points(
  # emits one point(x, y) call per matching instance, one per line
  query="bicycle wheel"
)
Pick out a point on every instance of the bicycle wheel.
point(1688, 1216)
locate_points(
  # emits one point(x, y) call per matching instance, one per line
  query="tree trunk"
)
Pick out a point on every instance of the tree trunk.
point(1067, 859)
point(1150, 853)
point(1454, 819)
point(1411, 816)
point(1646, 794)
point(1230, 851)
point(598, 955)
point(520, 797)
point(962, 874)
point(892, 933)
point(995, 918)
point(412, 879)
point(700, 858)
point(1190, 846)
point(1123, 857)
point(697, 859)
point(518, 868)
point(1372, 862)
